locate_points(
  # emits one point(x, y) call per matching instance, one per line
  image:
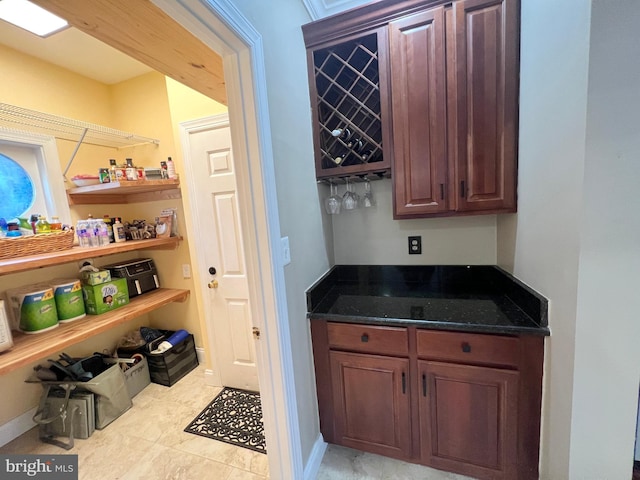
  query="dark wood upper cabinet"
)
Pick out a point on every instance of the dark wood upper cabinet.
point(486, 107)
point(418, 80)
point(430, 88)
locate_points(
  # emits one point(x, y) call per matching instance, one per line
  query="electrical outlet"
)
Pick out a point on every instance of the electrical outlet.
point(84, 262)
point(415, 245)
point(186, 270)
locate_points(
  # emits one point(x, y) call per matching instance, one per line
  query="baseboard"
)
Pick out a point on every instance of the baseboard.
point(200, 354)
point(315, 459)
point(16, 427)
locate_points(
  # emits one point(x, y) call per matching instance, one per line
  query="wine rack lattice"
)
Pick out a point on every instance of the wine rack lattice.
point(348, 99)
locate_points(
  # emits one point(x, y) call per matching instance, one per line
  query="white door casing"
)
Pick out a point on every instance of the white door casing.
point(220, 25)
point(207, 150)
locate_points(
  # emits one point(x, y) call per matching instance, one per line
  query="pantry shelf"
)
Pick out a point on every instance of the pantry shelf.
point(22, 264)
point(31, 348)
point(125, 192)
point(12, 116)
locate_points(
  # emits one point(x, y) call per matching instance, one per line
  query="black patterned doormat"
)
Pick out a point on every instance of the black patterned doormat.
point(235, 417)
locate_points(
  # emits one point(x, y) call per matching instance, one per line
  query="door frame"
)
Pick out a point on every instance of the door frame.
point(220, 25)
point(198, 241)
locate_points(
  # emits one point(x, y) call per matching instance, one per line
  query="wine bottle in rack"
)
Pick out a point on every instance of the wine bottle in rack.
point(339, 158)
point(343, 134)
point(355, 144)
point(366, 155)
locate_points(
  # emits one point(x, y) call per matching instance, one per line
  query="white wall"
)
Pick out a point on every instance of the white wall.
point(372, 236)
point(607, 357)
point(541, 244)
point(279, 23)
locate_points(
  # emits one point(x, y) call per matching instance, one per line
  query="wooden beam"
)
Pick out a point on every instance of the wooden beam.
point(144, 32)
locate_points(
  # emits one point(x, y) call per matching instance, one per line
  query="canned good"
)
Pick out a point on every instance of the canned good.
point(141, 175)
point(103, 174)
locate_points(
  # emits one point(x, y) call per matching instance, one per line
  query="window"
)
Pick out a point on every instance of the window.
point(30, 176)
point(18, 190)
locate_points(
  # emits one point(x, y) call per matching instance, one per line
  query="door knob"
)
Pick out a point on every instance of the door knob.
point(213, 284)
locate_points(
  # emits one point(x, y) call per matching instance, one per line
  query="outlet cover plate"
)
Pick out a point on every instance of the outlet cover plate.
point(415, 245)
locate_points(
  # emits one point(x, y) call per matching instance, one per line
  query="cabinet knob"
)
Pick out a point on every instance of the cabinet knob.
point(466, 348)
point(364, 337)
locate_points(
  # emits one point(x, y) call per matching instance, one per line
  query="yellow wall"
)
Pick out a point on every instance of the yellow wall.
point(142, 106)
point(187, 104)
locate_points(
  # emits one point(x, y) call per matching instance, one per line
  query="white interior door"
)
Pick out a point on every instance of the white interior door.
point(227, 296)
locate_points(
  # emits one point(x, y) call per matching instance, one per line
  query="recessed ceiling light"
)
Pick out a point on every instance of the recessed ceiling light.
point(33, 18)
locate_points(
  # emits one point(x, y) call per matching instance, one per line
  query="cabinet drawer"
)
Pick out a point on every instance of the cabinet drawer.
point(468, 347)
point(368, 338)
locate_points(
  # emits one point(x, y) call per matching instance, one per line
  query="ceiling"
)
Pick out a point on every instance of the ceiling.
point(75, 51)
point(81, 53)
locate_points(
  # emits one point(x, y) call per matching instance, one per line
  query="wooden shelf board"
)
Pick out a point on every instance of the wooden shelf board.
point(21, 264)
point(30, 348)
point(125, 187)
point(125, 192)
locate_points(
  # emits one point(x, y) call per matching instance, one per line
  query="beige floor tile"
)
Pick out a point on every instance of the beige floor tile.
point(237, 474)
point(170, 464)
point(341, 463)
point(148, 441)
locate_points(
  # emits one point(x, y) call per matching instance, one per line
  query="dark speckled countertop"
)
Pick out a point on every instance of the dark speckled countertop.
point(478, 298)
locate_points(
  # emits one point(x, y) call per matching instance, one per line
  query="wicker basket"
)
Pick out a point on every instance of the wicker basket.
point(36, 244)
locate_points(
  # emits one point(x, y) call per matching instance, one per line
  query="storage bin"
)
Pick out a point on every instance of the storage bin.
point(168, 367)
point(137, 377)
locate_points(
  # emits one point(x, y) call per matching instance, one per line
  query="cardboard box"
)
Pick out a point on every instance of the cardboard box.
point(95, 278)
point(106, 296)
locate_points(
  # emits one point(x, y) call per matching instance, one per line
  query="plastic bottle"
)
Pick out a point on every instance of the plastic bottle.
point(42, 226)
point(56, 225)
point(33, 220)
point(118, 231)
point(109, 222)
point(102, 233)
point(82, 230)
point(92, 229)
point(113, 170)
point(171, 169)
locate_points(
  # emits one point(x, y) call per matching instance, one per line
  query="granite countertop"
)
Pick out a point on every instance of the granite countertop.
point(478, 298)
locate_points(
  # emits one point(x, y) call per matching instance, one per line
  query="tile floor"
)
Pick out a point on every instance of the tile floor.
point(340, 463)
point(148, 442)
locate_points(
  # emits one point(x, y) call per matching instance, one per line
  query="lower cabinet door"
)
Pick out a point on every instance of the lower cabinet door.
point(371, 401)
point(468, 419)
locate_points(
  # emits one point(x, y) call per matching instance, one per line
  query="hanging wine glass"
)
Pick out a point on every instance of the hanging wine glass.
point(350, 198)
point(367, 199)
point(333, 202)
